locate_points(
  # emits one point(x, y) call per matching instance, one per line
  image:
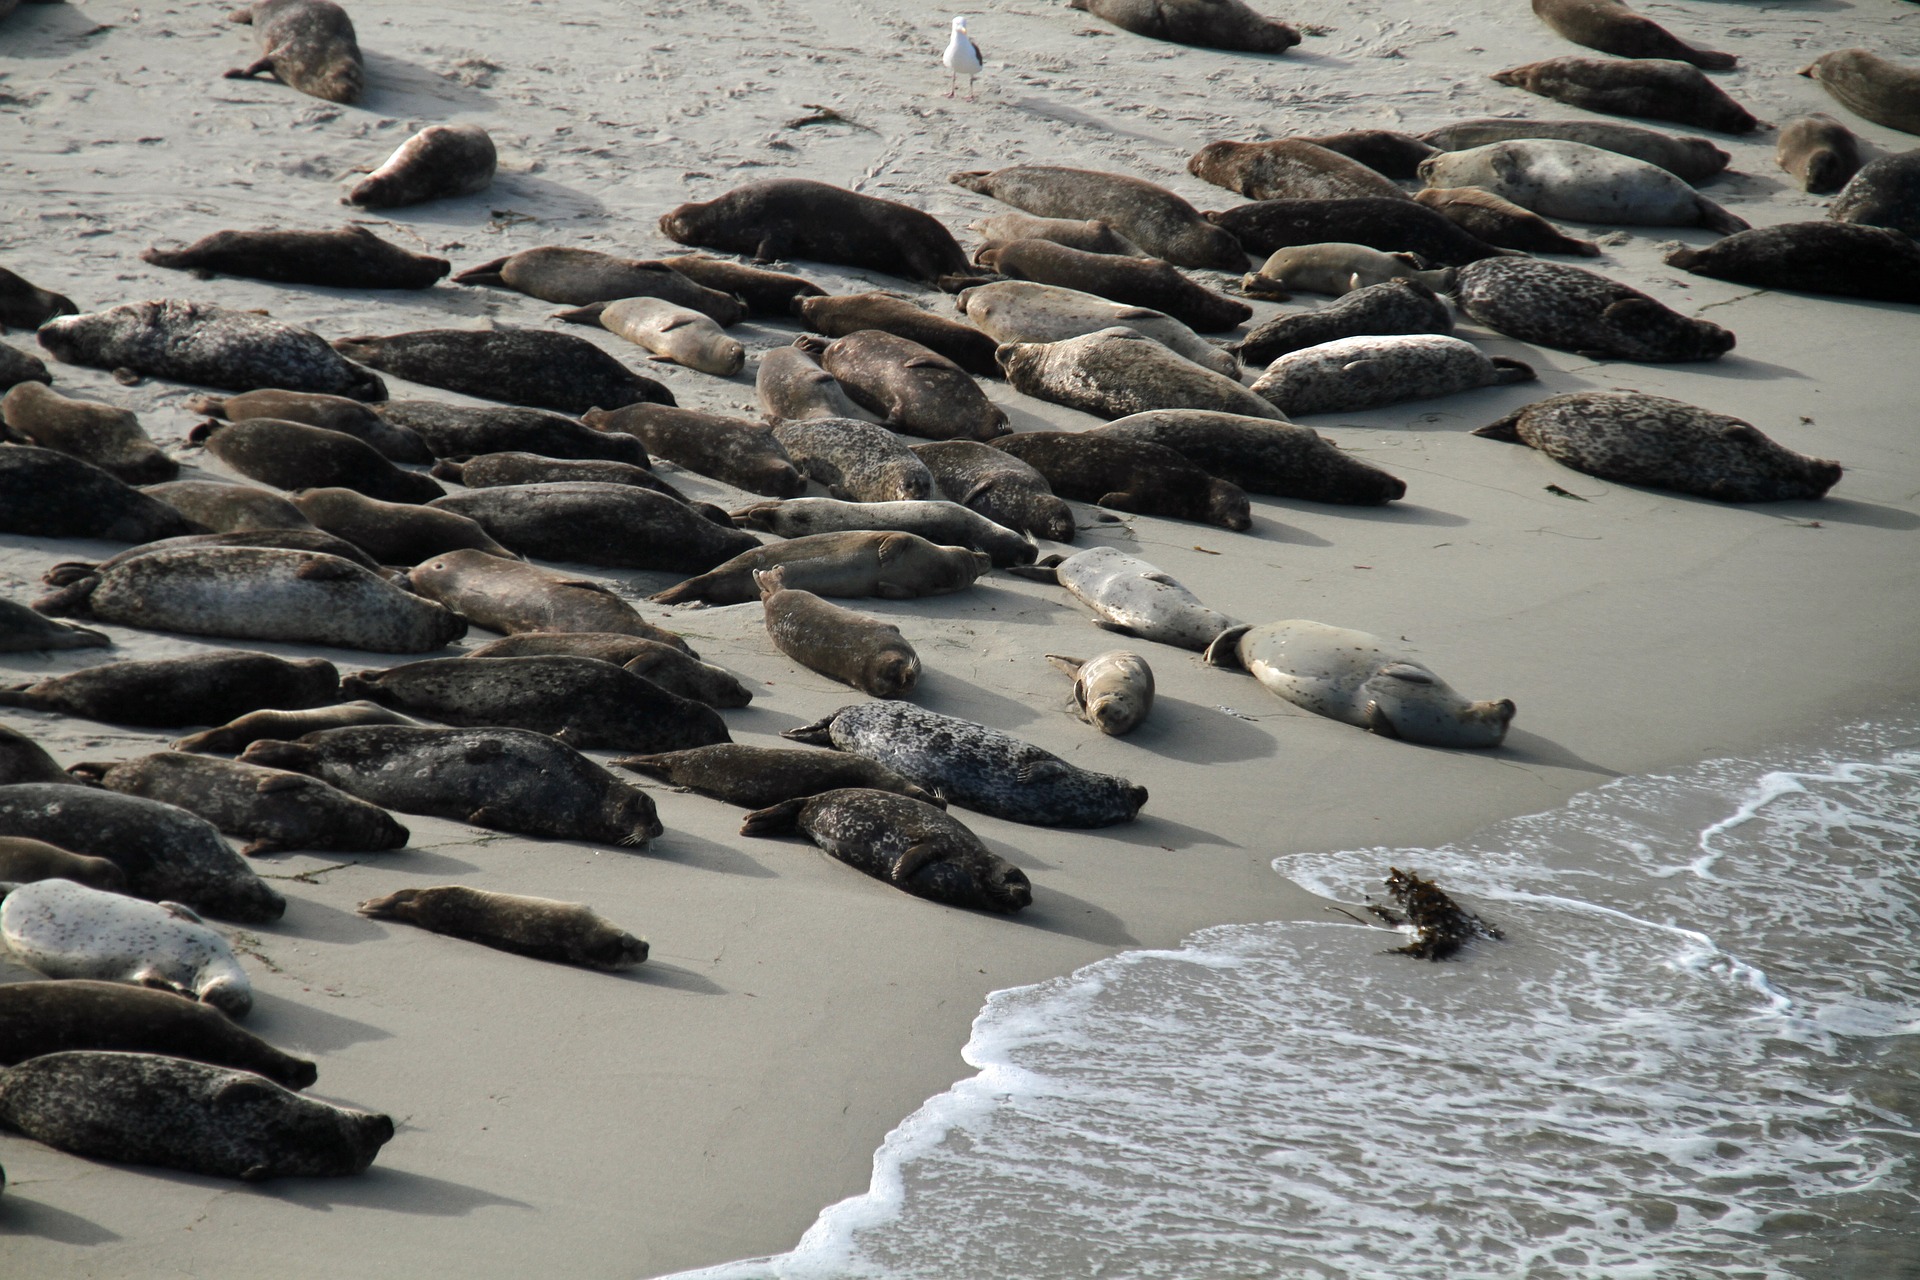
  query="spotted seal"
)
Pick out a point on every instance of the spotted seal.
point(1652, 88)
point(1136, 282)
point(1611, 27)
point(1132, 598)
point(1641, 439)
point(1209, 24)
point(1359, 679)
point(350, 258)
point(740, 453)
point(790, 384)
point(1130, 475)
point(1885, 193)
point(25, 305)
point(849, 563)
point(24, 860)
point(1023, 311)
point(1393, 226)
point(24, 631)
point(336, 413)
point(68, 572)
point(840, 317)
point(909, 844)
point(1819, 151)
point(800, 218)
point(1586, 184)
point(48, 494)
point(1277, 458)
point(857, 461)
point(1092, 235)
point(307, 45)
point(1498, 220)
point(911, 388)
point(1287, 169)
point(465, 431)
point(1692, 159)
point(393, 532)
point(998, 486)
point(945, 524)
point(291, 455)
point(564, 932)
point(1870, 86)
point(1845, 258)
point(230, 508)
point(613, 525)
point(109, 437)
point(234, 736)
point(441, 162)
point(582, 277)
point(82, 1013)
point(1114, 372)
point(199, 688)
point(1397, 306)
point(663, 664)
point(867, 653)
point(1577, 310)
point(756, 777)
point(528, 367)
point(1151, 216)
point(766, 293)
point(1368, 372)
point(1112, 691)
point(1385, 151)
point(1337, 269)
point(512, 596)
point(673, 333)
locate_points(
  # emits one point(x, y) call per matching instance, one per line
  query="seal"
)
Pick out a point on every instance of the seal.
point(581, 277)
point(756, 777)
point(306, 538)
point(110, 438)
point(912, 388)
point(1288, 169)
point(229, 508)
point(1611, 27)
point(1137, 282)
point(800, 218)
point(584, 702)
point(1387, 153)
point(17, 366)
point(1819, 151)
point(24, 760)
point(464, 431)
point(1337, 269)
point(25, 305)
point(1091, 235)
point(271, 808)
point(1693, 159)
point(144, 1108)
point(1368, 372)
point(234, 736)
point(1208, 24)
point(528, 367)
point(512, 596)
point(1885, 193)
point(1114, 372)
point(770, 294)
point(944, 524)
point(998, 486)
point(1360, 679)
point(291, 455)
point(1652, 88)
point(1500, 221)
point(502, 779)
point(976, 767)
point(307, 45)
point(1394, 226)
point(350, 258)
point(393, 532)
point(732, 450)
point(498, 470)
point(1130, 475)
point(613, 525)
point(213, 346)
point(199, 688)
point(1112, 691)
point(673, 333)
point(790, 384)
point(165, 852)
point(1021, 311)
point(1666, 444)
point(1151, 216)
point(1576, 310)
point(1573, 180)
point(66, 930)
point(1132, 598)
point(1870, 86)
point(564, 932)
point(1397, 306)
point(905, 842)
point(24, 860)
point(47, 494)
point(260, 593)
point(868, 653)
point(850, 563)
point(336, 413)
point(24, 631)
point(840, 317)
point(1275, 458)
point(857, 461)
point(80, 1013)
point(441, 162)
point(663, 664)
point(1845, 258)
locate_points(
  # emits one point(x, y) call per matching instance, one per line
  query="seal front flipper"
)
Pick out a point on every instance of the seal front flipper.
point(924, 854)
point(775, 820)
point(251, 70)
point(71, 600)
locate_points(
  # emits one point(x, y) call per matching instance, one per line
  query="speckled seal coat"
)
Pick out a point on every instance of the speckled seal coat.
point(741, 453)
point(1651, 440)
point(1133, 598)
point(234, 736)
point(1581, 311)
point(1498, 220)
point(979, 768)
point(1130, 475)
point(999, 486)
point(1845, 258)
point(566, 932)
point(910, 845)
point(336, 413)
point(912, 388)
point(394, 532)
point(1885, 193)
point(1651, 88)
point(497, 470)
point(199, 688)
point(1023, 311)
point(1151, 216)
point(464, 430)
point(1287, 169)
point(755, 777)
point(24, 859)
point(350, 258)
point(1112, 691)
point(672, 332)
point(615, 525)
point(582, 277)
point(945, 524)
point(1398, 306)
point(512, 596)
point(530, 367)
point(790, 384)
point(1693, 159)
point(1611, 27)
point(1367, 372)
point(850, 563)
point(1870, 86)
point(670, 668)
point(1277, 458)
point(1586, 184)
point(109, 437)
point(292, 455)
point(440, 162)
point(308, 45)
point(857, 461)
point(1819, 151)
point(24, 631)
point(303, 538)
point(80, 1013)
point(865, 652)
point(142, 1108)
point(838, 317)
point(1210, 24)
point(800, 218)
point(1115, 372)
point(1134, 282)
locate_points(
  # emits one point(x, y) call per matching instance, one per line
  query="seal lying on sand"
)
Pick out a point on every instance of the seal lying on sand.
point(679, 335)
point(1392, 226)
point(1151, 216)
point(1398, 306)
point(1209, 24)
point(800, 218)
point(17, 366)
point(198, 688)
point(1278, 458)
point(234, 736)
point(1885, 193)
point(1023, 311)
point(1130, 475)
point(868, 653)
point(24, 631)
point(1611, 27)
point(308, 45)
point(1368, 372)
point(336, 413)
point(766, 293)
point(395, 532)
point(1692, 159)
point(350, 258)
point(440, 162)
point(1113, 691)
point(1337, 269)
point(1820, 151)
point(670, 668)
point(1498, 220)
point(582, 277)
point(465, 431)
point(1870, 86)
point(614, 525)
point(24, 760)
point(857, 461)
point(566, 932)
point(25, 305)
point(755, 777)
point(110, 438)
point(1092, 235)
point(512, 596)
point(911, 388)
point(24, 860)
point(1849, 259)
point(1135, 282)
point(1577, 310)
point(998, 486)
point(838, 317)
point(228, 508)
point(1131, 597)
point(790, 385)
point(521, 366)
point(79, 1013)
point(1114, 372)
point(292, 455)
point(1653, 88)
point(850, 563)
point(1287, 169)
point(740, 453)
point(944, 524)
point(1583, 183)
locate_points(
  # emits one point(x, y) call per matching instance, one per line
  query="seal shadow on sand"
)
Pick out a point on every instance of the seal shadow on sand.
point(388, 1189)
point(1058, 912)
point(657, 973)
point(26, 1216)
point(49, 31)
point(305, 1028)
point(689, 850)
point(1522, 747)
point(396, 87)
point(1151, 829)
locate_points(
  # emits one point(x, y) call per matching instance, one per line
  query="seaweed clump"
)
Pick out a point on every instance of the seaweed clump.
point(1441, 926)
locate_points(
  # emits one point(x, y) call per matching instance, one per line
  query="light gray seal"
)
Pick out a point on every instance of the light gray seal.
point(226, 507)
point(800, 218)
point(1693, 159)
point(838, 317)
point(1114, 372)
point(945, 524)
point(1360, 679)
point(144, 1108)
point(512, 596)
point(198, 688)
point(1024, 311)
point(666, 666)
point(1819, 151)
point(1885, 193)
point(1091, 235)
point(911, 388)
point(1277, 458)
point(38, 1018)
point(790, 384)
point(613, 525)
point(582, 277)
point(976, 767)
point(68, 572)
point(350, 258)
point(464, 431)
point(1209, 24)
point(66, 930)
point(1368, 372)
point(109, 437)
point(1130, 475)
point(1586, 184)
point(1135, 282)
point(441, 162)
point(24, 631)
point(307, 45)
point(673, 333)
point(292, 455)
point(530, 367)
point(1651, 88)
point(1151, 216)
point(24, 860)
point(1611, 27)
point(1398, 306)
point(1581, 311)
point(495, 470)
point(1112, 691)
point(1287, 169)
point(1870, 86)
point(234, 736)
point(857, 461)
point(998, 486)
point(1337, 268)
point(393, 532)
point(756, 777)
point(564, 932)
point(336, 413)
point(868, 653)
point(1849, 259)
point(740, 453)
point(1498, 220)
point(850, 563)
point(1651, 440)
point(1133, 598)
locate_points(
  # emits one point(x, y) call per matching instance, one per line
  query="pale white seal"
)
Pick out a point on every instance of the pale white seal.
point(1023, 311)
point(1585, 184)
point(677, 334)
point(1112, 691)
point(1338, 268)
point(1132, 597)
point(1371, 370)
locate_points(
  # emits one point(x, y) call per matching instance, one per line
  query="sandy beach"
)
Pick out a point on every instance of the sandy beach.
point(707, 1105)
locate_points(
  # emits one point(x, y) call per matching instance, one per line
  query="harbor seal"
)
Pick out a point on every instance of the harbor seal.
point(528, 367)
point(732, 450)
point(1287, 169)
point(1360, 679)
point(1870, 86)
point(1397, 306)
point(25, 305)
point(1151, 216)
point(17, 366)
point(613, 525)
point(145, 1108)
point(1277, 458)
point(229, 508)
point(840, 317)
point(850, 563)
point(465, 431)
point(998, 486)
point(663, 664)
point(1092, 235)
point(1641, 439)
point(1385, 151)
point(673, 333)
point(1849, 259)
point(1368, 372)
point(393, 532)
point(66, 930)
point(1393, 226)
point(1130, 475)
point(1498, 220)
point(199, 688)
point(234, 736)
point(1580, 311)
point(109, 437)
point(857, 461)
point(1112, 691)
point(1819, 151)
point(1337, 269)
point(1692, 159)
point(1136, 282)
point(336, 413)
point(24, 760)
point(770, 294)
point(944, 524)
point(1022, 311)
point(81, 1013)
point(350, 258)
point(498, 470)
point(24, 860)
point(1885, 193)
point(1114, 372)
point(912, 388)
point(582, 277)
point(1586, 184)
point(1133, 598)
point(800, 218)
point(564, 932)
point(48, 494)
point(909, 844)
point(291, 455)
point(441, 162)
point(756, 777)
point(976, 767)
point(24, 631)
point(790, 384)
point(512, 596)
point(1208, 24)
point(1611, 27)
point(503, 779)
point(1652, 88)
point(307, 45)
point(868, 653)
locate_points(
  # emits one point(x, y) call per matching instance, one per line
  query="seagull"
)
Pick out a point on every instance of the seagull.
point(962, 58)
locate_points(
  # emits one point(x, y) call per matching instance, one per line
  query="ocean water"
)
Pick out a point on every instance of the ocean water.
point(1695, 1054)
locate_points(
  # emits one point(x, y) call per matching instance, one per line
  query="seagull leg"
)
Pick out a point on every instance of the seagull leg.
point(954, 87)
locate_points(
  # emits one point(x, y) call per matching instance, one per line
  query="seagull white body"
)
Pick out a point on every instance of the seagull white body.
point(962, 58)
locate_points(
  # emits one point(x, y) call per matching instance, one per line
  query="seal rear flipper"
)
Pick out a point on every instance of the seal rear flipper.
point(274, 754)
point(589, 314)
point(1715, 218)
point(1224, 650)
point(251, 70)
point(485, 273)
point(68, 572)
point(654, 766)
point(692, 590)
point(924, 854)
point(1118, 501)
point(389, 907)
point(817, 734)
point(1506, 371)
point(1045, 569)
point(70, 601)
point(89, 772)
point(19, 697)
point(1069, 665)
point(1506, 428)
point(776, 820)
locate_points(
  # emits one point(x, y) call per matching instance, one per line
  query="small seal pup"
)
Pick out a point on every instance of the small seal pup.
point(1135, 282)
point(1209, 24)
point(733, 450)
point(766, 293)
point(1498, 220)
point(1870, 86)
point(213, 346)
point(1652, 88)
point(465, 431)
point(307, 45)
point(867, 653)
point(25, 305)
point(229, 508)
point(350, 258)
point(520, 366)
point(673, 333)
point(1130, 475)
point(1397, 306)
point(838, 317)
point(24, 760)
point(1276, 458)
point(234, 736)
point(1337, 269)
point(564, 932)
point(1368, 372)
point(1586, 184)
point(1581, 311)
point(66, 930)
point(1089, 234)
point(857, 461)
point(24, 631)
point(81, 1013)
point(336, 413)
point(582, 277)
point(905, 842)
point(1693, 159)
point(1023, 311)
point(615, 525)
point(979, 768)
point(999, 486)
point(755, 777)
point(1641, 439)
point(144, 1108)
point(911, 388)
point(199, 688)
point(503, 779)
point(48, 494)
point(393, 532)
point(1112, 691)
point(291, 455)
point(666, 666)
point(800, 218)
point(1392, 226)
point(945, 524)
point(848, 563)
point(1819, 151)
point(1132, 598)
point(1885, 193)
point(1611, 27)
point(441, 162)
point(1114, 372)
point(512, 596)
point(1287, 169)
point(17, 366)
point(109, 437)
point(1846, 258)
point(24, 860)
point(1151, 216)
point(498, 470)
point(1357, 678)
point(790, 384)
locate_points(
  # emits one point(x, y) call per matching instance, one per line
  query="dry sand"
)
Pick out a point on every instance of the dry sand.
point(557, 1121)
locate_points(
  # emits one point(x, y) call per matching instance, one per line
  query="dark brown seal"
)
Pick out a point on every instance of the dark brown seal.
point(1391, 226)
point(24, 760)
point(1396, 306)
point(666, 666)
point(1129, 475)
point(1151, 216)
point(1652, 88)
point(492, 470)
point(1499, 221)
point(520, 366)
point(393, 532)
point(1288, 169)
point(464, 431)
point(800, 218)
point(1578, 310)
point(202, 688)
point(1387, 153)
point(24, 631)
point(109, 437)
point(1277, 458)
point(767, 293)
point(565, 932)
point(755, 777)
point(336, 413)
point(741, 453)
point(1139, 282)
point(512, 596)
point(79, 1013)
point(578, 277)
point(292, 455)
point(913, 389)
point(1611, 27)
point(440, 162)
point(350, 258)
point(25, 305)
point(307, 45)
point(47, 494)
point(1208, 24)
point(1870, 86)
point(24, 860)
point(1885, 193)
point(17, 366)
point(612, 525)
point(846, 563)
point(998, 486)
point(1845, 258)
point(868, 653)
point(1818, 150)
point(839, 317)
